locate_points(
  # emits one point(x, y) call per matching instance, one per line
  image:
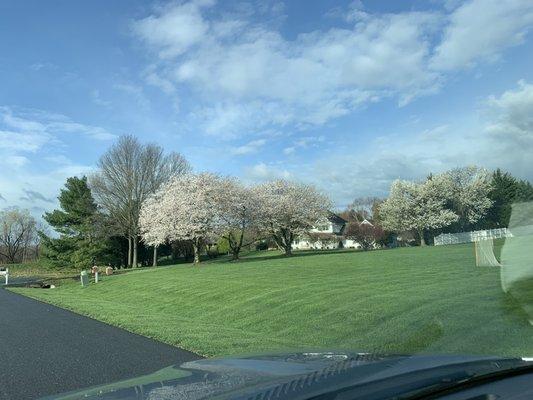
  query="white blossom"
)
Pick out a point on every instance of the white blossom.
point(418, 206)
point(238, 210)
point(470, 188)
point(183, 209)
point(289, 209)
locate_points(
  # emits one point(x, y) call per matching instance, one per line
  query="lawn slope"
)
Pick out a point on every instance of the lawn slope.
point(404, 300)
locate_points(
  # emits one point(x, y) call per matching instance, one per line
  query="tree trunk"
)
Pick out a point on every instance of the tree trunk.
point(195, 246)
point(422, 239)
point(235, 246)
point(154, 260)
point(130, 250)
point(134, 252)
point(288, 250)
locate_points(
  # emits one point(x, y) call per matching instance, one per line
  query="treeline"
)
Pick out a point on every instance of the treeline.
point(98, 219)
point(459, 200)
point(142, 204)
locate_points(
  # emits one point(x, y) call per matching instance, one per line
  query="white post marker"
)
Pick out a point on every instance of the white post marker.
point(96, 277)
point(6, 275)
point(84, 278)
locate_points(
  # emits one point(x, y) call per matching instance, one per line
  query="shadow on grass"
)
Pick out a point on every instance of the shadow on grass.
point(263, 255)
point(301, 253)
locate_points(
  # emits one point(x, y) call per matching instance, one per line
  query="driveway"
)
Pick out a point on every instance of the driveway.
point(46, 350)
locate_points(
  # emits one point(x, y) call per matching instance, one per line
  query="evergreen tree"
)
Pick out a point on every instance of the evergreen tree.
point(79, 225)
point(505, 191)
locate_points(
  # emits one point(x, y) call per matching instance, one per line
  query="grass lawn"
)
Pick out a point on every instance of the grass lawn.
point(404, 300)
point(36, 269)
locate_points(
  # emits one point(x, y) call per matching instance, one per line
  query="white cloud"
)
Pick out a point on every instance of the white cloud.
point(153, 78)
point(289, 150)
point(133, 91)
point(15, 161)
point(38, 66)
point(243, 75)
point(22, 141)
point(177, 28)
point(511, 127)
point(503, 139)
point(29, 137)
point(29, 130)
point(246, 74)
point(265, 172)
point(480, 30)
point(249, 148)
point(303, 143)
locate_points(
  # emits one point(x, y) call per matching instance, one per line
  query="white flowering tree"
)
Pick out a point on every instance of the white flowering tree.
point(418, 206)
point(289, 209)
point(183, 209)
point(238, 210)
point(470, 189)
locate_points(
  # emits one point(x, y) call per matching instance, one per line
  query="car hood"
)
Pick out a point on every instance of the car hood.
point(248, 376)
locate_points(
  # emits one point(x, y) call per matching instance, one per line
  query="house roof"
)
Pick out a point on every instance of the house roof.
point(332, 217)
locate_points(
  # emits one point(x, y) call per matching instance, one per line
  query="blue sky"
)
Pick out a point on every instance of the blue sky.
point(346, 95)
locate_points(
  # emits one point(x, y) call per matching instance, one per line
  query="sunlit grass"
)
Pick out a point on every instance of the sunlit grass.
point(404, 300)
point(37, 269)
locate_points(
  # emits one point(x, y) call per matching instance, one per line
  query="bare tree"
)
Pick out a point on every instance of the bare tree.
point(129, 172)
point(363, 208)
point(366, 234)
point(18, 233)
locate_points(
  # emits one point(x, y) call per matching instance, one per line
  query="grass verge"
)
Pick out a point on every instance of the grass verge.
point(430, 299)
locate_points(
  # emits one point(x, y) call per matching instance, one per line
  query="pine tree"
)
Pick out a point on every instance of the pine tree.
point(77, 222)
point(505, 191)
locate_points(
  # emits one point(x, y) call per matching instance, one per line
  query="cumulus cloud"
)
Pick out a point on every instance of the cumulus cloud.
point(511, 128)
point(503, 139)
point(480, 30)
point(514, 115)
point(175, 29)
point(246, 74)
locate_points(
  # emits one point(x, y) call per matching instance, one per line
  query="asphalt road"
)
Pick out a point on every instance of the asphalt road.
point(46, 350)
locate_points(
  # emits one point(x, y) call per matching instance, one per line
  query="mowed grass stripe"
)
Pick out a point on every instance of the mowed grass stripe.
point(404, 300)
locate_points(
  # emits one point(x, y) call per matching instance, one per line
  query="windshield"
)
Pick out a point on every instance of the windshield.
point(261, 180)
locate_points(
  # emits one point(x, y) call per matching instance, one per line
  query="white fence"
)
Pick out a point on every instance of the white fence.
point(468, 237)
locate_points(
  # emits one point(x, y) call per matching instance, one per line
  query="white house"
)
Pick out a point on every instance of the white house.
point(327, 234)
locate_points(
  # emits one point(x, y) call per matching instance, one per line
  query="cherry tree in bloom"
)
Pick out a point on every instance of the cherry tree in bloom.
point(238, 210)
point(183, 209)
point(470, 188)
point(289, 209)
point(418, 206)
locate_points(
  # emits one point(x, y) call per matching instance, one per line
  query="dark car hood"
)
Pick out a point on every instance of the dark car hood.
point(245, 377)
